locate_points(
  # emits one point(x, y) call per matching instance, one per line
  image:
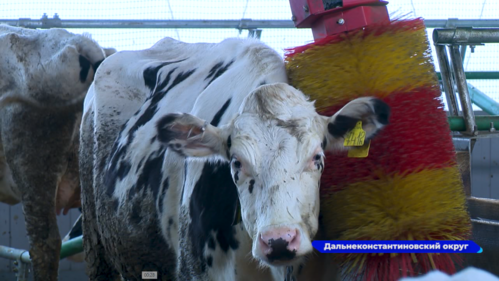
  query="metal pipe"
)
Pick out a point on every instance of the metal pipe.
point(454, 22)
point(466, 35)
point(483, 101)
point(477, 75)
point(14, 254)
point(68, 248)
point(487, 75)
point(457, 124)
point(463, 52)
point(237, 24)
point(446, 75)
point(462, 88)
point(71, 247)
point(23, 272)
point(255, 33)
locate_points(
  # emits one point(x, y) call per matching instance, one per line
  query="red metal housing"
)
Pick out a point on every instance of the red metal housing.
point(325, 20)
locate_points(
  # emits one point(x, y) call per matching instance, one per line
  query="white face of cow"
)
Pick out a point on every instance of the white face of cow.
point(275, 146)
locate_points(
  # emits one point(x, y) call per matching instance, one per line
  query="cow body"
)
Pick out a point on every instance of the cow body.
point(150, 205)
point(44, 76)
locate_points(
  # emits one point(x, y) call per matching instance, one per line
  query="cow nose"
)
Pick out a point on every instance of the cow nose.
point(280, 243)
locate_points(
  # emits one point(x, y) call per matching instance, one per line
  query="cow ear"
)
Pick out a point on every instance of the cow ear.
point(190, 136)
point(372, 112)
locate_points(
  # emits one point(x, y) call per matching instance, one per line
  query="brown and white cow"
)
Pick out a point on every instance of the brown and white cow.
point(44, 77)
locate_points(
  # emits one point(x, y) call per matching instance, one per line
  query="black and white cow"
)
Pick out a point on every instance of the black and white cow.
point(177, 138)
point(44, 77)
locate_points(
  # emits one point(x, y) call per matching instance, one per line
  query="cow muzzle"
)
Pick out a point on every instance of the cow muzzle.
point(280, 245)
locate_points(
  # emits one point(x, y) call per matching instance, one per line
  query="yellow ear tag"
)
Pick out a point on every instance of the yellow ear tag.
point(360, 152)
point(356, 136)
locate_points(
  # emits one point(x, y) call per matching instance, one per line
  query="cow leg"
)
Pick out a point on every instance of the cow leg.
point(35, 145)
point(98, 267)
point(43, 233)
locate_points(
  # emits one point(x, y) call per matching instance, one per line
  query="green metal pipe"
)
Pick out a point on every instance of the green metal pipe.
point(71, 247)
point(456, 123)
point(478, 75)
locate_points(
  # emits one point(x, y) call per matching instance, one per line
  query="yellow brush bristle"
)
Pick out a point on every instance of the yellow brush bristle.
point(375, 64)
point(426, 205)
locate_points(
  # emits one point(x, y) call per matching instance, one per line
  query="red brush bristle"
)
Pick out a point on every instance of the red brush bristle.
point(403, 265)
point(412, 140)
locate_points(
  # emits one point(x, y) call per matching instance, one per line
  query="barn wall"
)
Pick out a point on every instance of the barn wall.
point(13, 234)
point(485, 168)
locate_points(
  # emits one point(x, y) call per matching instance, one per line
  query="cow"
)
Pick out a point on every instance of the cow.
point(44, 77)
point(200, 162)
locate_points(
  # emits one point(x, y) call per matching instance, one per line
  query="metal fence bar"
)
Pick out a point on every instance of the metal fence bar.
point(68, 248)
point(483, 101)
point(71, 247)
point(476, 75)
point(14, 254)
point(462, 89)
point(236, 24)
point(454, 22)
point(446, 77)
point(483, 123)
point(23, 260)
point(466, 35)
point(46, 22)
point(23, 271)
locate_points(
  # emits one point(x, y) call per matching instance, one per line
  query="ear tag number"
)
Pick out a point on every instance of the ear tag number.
point(360, 151)
point(356, 136)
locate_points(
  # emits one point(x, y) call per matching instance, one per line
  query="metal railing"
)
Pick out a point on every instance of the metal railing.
point(450, 46)
point(243, 24)
point(22, 259)
point(56, 21)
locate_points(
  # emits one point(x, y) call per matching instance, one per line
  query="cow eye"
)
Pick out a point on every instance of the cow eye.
point(317, 157)
point(237, 164)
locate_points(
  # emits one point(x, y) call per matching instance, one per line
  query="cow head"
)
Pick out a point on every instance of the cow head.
point(276, 146)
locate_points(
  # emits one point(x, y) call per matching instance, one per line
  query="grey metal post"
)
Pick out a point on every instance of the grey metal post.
point(255, 33)
point(462, 87)
point(445, 71)
point(23, 271)
point(463, 52)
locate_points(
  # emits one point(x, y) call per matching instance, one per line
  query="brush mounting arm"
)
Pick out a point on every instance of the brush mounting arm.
point(329, 17)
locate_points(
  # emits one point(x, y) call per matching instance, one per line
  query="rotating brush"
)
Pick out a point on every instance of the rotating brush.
point(407, 185)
